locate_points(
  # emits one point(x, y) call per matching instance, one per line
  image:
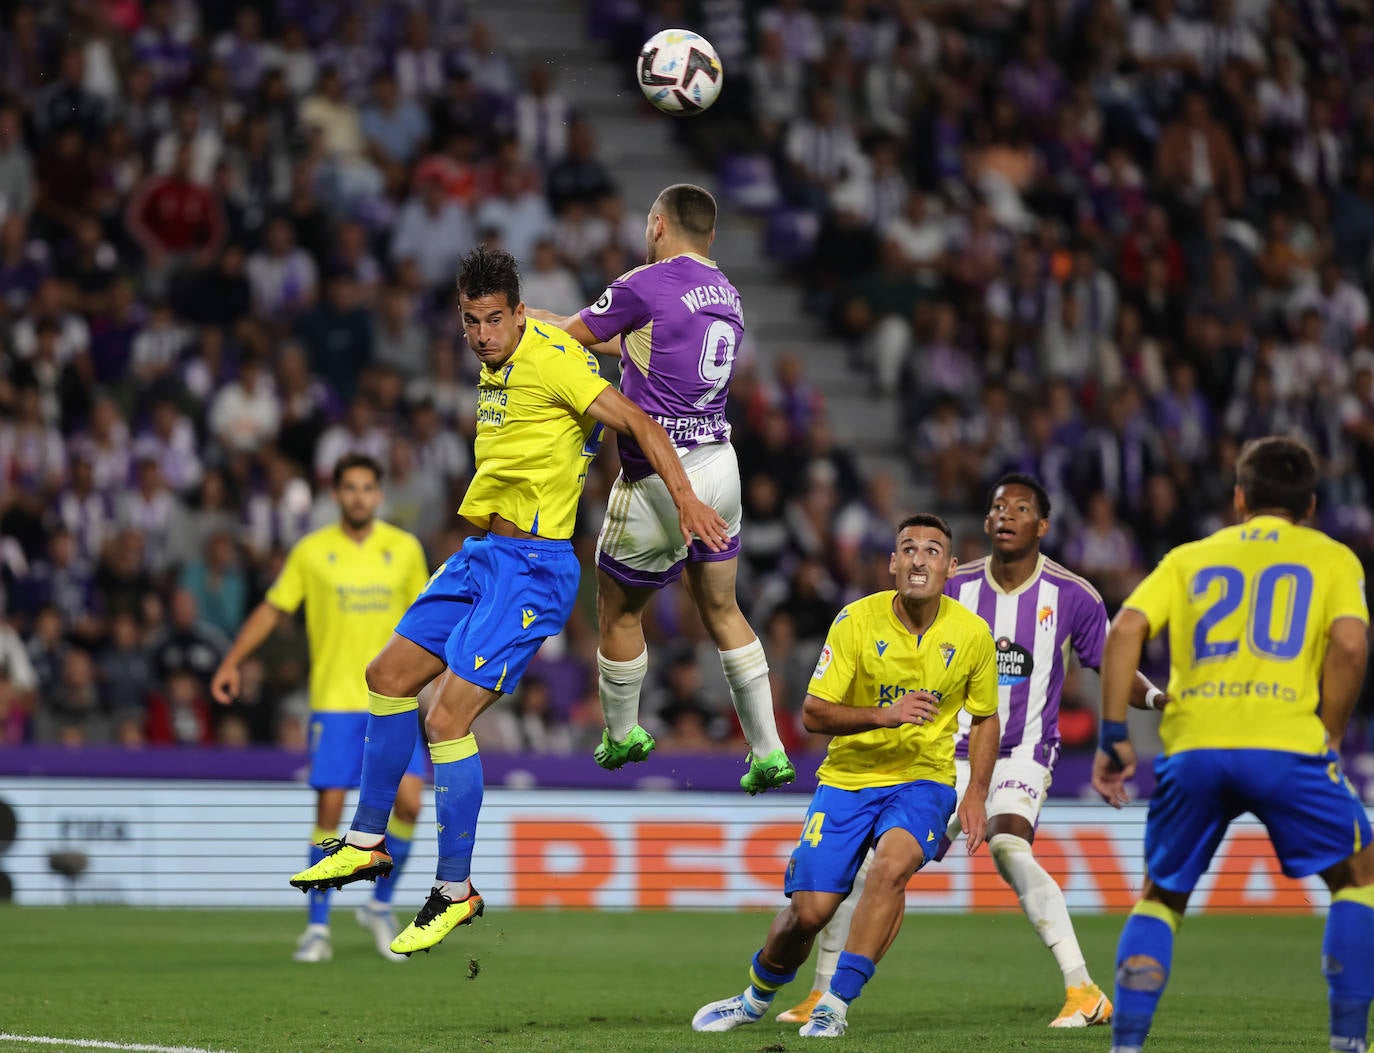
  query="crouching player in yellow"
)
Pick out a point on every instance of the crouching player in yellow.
point(896, 669)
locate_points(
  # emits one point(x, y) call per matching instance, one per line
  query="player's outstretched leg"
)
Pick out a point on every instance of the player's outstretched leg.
point(748, 1007)
point(1348, 961)
point(829, 944)
point(1042, 901)
point(458, 788)
point(712, 585)
point(362, 855)
point(1143, 959)
point(620, 681)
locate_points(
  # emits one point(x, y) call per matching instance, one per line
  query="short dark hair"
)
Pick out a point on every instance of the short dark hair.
point(487, 271)
point(356, 460)
point(1277, 472)
point(1042, 499)
point(689, 208)
point(926, 519)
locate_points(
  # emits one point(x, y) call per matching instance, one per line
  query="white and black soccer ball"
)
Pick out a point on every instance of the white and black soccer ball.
point(679, 72)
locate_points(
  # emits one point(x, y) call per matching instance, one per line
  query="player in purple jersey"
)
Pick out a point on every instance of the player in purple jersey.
point(679, 325)
point(1037, 610)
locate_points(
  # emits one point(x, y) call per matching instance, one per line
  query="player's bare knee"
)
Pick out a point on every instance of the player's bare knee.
point(385, 677)
point(810, 918)
point(1140, 972)
point(441, 725)
point(890, 876)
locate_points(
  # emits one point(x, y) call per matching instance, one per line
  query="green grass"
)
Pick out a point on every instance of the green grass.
point(573, 981)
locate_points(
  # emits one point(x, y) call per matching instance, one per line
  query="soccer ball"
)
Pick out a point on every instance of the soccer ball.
point(679, 72)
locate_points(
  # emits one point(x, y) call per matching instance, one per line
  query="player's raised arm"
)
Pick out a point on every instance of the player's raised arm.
point(695, 517)
point(259, 626)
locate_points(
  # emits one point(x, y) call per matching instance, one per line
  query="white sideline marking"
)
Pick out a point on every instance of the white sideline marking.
point(91, 1043)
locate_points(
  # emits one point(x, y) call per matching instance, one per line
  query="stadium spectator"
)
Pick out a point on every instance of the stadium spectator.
point(433, 231)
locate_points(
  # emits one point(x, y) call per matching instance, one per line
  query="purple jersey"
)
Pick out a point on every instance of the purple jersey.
point(680, 325)
point(1033, 629)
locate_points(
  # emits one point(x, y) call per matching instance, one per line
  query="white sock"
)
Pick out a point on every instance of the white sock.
point(836, 932)
point(618, 685)
point(455, 890)
point(746, 671)
point(359, 839)
point(830, 1000)
point(757, 1006)
point(316, 929)
point(1043, 902)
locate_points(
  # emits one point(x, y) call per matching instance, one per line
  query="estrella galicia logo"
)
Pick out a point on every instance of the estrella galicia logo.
point(1014, 663)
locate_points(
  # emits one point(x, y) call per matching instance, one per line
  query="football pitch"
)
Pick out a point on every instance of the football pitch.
point(224, 981)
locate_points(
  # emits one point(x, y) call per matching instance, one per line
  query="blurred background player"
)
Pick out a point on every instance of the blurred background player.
point(680, 327)
point(1267, 648)
point(355, 577)
point(542, 409)
point(896, 670)
point(1037, 610)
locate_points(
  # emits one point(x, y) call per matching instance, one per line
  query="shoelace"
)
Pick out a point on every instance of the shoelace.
point(434, 906)
point(333, 845)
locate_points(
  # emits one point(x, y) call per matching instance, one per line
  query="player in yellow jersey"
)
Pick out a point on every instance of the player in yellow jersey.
point(896, 669)
point(1268, 632)
point(355, 578)
point(542, 409)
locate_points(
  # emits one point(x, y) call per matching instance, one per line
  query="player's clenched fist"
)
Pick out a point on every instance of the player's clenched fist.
point(914, 707)
point(225, 685)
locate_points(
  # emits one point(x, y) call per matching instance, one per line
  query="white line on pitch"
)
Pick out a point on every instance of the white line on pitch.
point(91, 1043)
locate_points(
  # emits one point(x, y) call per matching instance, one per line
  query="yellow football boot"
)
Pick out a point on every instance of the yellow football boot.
point(800, 1014)
point(437, 918)
point(1084, 1006)
point(343, 863)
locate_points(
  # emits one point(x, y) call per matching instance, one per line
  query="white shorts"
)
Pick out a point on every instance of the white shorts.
point(640, 545)
point(1019, 787)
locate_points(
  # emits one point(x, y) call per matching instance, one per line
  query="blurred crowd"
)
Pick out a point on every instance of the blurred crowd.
point(1098, 242)
point(228, 235)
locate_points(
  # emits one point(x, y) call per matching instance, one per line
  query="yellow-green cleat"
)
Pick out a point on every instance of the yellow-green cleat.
point(613, 755)
point(767, 773)
point(437, 918)
point(343, 863)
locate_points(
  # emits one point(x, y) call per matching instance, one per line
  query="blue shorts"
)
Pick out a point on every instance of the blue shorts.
point(336, 751)
point(491, 604)
point(841, 825)
point(1314, 818)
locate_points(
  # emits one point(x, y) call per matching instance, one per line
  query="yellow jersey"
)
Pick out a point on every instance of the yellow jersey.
point(871, 658)
point(354, 594)
point(1248, 611)
point(534, 438)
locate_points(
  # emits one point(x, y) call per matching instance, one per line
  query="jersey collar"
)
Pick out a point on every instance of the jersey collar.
point(691, 256)
point(1034, 577)
point(896, 619)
